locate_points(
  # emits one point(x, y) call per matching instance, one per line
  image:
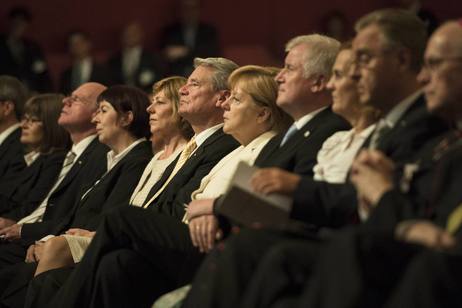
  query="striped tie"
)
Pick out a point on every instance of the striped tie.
point(188, 150)
point(454, 221)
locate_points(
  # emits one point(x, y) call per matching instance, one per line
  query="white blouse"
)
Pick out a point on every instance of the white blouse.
point(217, 181)
point(337, 154)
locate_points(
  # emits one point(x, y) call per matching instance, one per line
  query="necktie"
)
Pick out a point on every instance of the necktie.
point(382, 129)
point(38, 213)
point(454, 220)
point(290, 132)
point(188, 150)
point(67, 164)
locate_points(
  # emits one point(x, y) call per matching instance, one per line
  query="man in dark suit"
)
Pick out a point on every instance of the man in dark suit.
point(81, 166)
point(84, 68)
point(22, 57)
point(134, 65)
point(13, 95)
point(415, 263)
point(160, 243)
point(393, 89)
point(188, 38)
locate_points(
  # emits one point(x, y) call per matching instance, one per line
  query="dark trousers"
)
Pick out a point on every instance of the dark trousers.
point(226, 273)
point(432, 279)
point(135, 256)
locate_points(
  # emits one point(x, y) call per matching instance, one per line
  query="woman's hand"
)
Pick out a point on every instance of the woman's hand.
point(198, 208)
point(204, 230)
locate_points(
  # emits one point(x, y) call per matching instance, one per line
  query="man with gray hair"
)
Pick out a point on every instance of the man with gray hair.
point(138, 254)
point(385, 48)
point(13, 95)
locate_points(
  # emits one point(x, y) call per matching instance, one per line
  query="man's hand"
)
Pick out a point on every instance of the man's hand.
point(204, 230)
point(274, 180)
point(80, 232)
point(372, 175)
point(5, 222)
point(198, 208)
point(425, 233)
point(12, 232)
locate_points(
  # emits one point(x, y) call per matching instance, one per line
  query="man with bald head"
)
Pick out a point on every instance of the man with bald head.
point(417, 262)
point(31, 220)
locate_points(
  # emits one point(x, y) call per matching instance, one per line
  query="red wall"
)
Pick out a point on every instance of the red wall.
point(267, 23)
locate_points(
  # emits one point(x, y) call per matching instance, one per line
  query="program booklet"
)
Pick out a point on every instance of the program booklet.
point(251, 209)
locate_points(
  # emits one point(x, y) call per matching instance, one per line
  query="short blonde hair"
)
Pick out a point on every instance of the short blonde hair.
point(259, 83)
point(171, 87)
point(222, 69)
point(320, 57)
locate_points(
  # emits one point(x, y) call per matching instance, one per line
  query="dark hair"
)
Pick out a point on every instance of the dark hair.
point(401, 29)
point(47, 108)
point(20, 12)
point(13, 90)
point(171, 87)
point(128, 98)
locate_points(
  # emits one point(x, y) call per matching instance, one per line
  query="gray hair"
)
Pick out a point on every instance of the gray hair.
point(400, 28)
point(13, 90)
point(222, 69)
point(320, 57)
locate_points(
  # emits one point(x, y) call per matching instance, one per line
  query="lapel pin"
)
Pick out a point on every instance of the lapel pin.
point(306, 134)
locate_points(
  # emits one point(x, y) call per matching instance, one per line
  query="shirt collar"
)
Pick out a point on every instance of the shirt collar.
point(113, 159)
point(82, 145)
point(202, 136)
point(306, 118)
point(8, 131)
point(397, 112)
point(30, 157)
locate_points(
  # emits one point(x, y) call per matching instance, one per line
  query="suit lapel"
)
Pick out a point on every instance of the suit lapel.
point(77, 166)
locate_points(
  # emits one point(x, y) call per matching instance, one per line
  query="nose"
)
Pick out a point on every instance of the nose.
point(183, 90)
point(424, 76)
point(279, 76)
point(95, 119)
point(150, 108)
point(225, 104)
point(67, 101)
point(330, 84)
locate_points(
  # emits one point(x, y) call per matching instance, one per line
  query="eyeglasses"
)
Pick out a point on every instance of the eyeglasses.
point(363, 58)
point(72, 99)
point(433, 64)
point(30, 120)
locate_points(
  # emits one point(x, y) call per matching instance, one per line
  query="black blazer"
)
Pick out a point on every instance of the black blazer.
point(99, 73)
point(334, 205)
point(33, 183)
point(88, 168)
point(178, 192)
point(148, 67)
point(11, 157)
point(206, 45)
point(114, 189)
point(299, 153)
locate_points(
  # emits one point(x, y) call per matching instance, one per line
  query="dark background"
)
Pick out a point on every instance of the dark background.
point(250, 31)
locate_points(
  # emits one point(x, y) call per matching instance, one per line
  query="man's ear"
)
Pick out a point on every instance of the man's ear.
point(8, 108)
point(404, 59)
point(318, 84)
point(222, 97)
